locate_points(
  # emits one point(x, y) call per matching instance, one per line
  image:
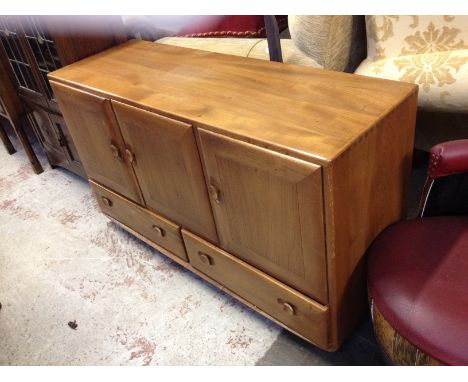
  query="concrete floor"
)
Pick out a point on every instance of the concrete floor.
point(61, 261)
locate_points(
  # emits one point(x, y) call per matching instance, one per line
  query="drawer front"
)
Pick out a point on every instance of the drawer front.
point(296, 311)
point(155, 228)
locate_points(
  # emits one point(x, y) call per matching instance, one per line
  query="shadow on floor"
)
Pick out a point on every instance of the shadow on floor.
point(361, 349)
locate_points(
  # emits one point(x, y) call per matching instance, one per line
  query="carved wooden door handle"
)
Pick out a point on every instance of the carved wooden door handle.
point(116, 152)
point(205, 258)
point(287, 307)
point(130, 156)
point(214, 193)
point(107, 202)
point(159, 230)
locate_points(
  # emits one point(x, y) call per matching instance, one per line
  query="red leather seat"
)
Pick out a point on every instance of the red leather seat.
point(418, 276)
point(418, 279)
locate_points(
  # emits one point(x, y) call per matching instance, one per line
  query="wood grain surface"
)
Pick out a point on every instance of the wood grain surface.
point(291, 308)
point(168, 168)
point(155, 228)
point(98, 139)
point(305, 112)
point(268, 210)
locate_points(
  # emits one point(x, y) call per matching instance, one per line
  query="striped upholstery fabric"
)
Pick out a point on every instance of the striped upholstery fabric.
point(334, 42)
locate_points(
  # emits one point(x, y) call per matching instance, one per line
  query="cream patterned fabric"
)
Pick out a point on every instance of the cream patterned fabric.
point(244, 47)
point(430, 51)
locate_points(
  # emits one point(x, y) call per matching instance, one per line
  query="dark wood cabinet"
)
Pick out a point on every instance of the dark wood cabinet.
point(37, 45)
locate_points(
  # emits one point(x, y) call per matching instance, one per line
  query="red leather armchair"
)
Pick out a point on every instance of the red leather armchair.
point(449, 158)
point(418, 277)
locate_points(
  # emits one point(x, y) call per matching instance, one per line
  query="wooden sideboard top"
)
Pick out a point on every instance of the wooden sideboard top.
point(308, 113)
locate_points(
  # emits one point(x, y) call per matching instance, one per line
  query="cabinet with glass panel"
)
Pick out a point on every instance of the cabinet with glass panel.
point(37, 45)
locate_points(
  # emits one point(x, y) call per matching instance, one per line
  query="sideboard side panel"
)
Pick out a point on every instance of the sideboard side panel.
point(365, 191)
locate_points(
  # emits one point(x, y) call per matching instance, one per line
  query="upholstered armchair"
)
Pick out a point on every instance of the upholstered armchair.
point(329, 42)
point(417, 274)
point(430, 51)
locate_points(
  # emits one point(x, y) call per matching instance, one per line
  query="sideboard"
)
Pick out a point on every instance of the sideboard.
point(267, 180)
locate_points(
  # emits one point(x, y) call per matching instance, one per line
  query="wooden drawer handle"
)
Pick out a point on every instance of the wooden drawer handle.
point(107, 202)
point(116, 152)
point(214, 193)
point(159, 230)
point(205, 259)
point(287, 307)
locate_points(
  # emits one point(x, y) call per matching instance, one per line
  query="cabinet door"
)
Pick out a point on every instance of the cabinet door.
point(96, 135)
point(268, 211)
point(168, 168)
point(40, 121)
point(67, 144)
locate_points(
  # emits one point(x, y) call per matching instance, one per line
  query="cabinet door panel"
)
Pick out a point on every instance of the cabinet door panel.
point(168, 168)
point(45, 131)
point(67, 143)
point(92, 126)
point(268, 211)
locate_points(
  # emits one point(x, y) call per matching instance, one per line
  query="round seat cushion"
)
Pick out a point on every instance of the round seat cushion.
point(418, 280)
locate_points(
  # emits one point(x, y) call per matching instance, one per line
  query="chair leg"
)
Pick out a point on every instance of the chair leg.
point(18, 127)
point(6, 140)
point(273, 38)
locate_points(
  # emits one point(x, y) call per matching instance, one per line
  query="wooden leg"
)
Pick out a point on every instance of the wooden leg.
point(33, 123)
point(6, 141)
point(18, 127)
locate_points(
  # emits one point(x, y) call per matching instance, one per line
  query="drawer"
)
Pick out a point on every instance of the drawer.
point(155, 228)
point(296, 311)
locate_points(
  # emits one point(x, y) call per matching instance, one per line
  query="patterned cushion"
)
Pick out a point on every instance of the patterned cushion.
point(430, 51)
point(335, 42)
point(253, 48)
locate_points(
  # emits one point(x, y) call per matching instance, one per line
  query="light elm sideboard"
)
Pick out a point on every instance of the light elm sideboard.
point(268, 180)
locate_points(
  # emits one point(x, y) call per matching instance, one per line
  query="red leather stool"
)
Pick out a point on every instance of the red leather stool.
point(418, 278)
